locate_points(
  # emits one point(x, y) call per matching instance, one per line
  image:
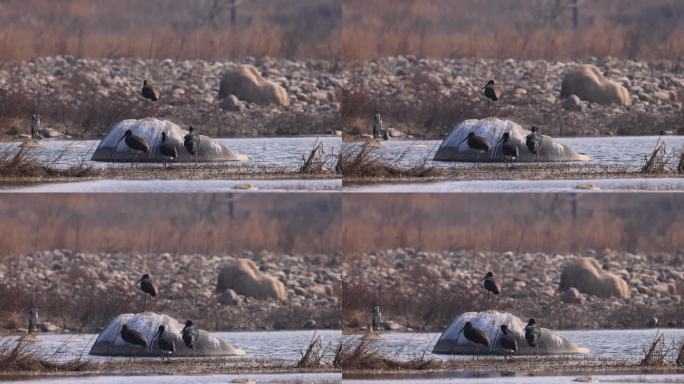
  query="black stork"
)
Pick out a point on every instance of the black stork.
point(167, 150)
point(166, 346)
point(135, 143)
point(133, 337)
point(491, 284)
point(148, 92)
point(508, 149)
point(191, 142)
point(475, 335)
point(477, 144)
point(507, 341)
point(147, 286)
point(492, 92)
point(533, 334)
point(385, 135)
point(190, 334)
point(533, 142)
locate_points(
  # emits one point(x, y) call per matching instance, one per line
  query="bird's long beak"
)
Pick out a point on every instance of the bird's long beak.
point(500, 140)
point(141, 277)
point(463, 140)
point(482, 279)
point(122, 137)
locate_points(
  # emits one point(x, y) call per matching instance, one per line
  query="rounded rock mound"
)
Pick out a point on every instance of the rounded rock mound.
point(245, 278)
point(589, 84)
point(453, 342)
point(588, 277)
point(453, 148)
point(245, 82)
point(113, 149)
point(110, 343)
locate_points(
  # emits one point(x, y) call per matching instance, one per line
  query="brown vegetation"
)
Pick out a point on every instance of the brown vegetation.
point(203, 223)
point(548, 223)
point(515, 29)
point(177, 29)
point(361, 162)
point(361, 355)
point(19, 164)
point(19, 357)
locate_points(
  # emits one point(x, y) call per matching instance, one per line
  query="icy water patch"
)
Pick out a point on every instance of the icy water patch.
point(186, 186)
point(624, 345)
point(280, 152)
point(540, 186)
point(627, 151)
point(199, 379)
point(272, 345)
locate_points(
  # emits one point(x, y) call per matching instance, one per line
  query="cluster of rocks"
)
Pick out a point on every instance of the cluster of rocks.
point(233, 98)
point(598, 289)
point(593, 97)
point(249, 291)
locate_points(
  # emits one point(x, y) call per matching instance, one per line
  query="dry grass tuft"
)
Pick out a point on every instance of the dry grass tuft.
point(362, 162)
point(19, 357)
point(361, 355)
point(19, 163)
point(319, 161)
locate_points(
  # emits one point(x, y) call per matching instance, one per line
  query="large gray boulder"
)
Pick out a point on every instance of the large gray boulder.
point(588, 277)
point(112, 148)
point(589, 84)
point(109, 342)
point(452, 341)
point(453, 148)
point(245, 82)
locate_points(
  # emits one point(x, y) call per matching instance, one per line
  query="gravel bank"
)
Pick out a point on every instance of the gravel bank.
point(428, 97)
point(426, 290)
point(82, 292)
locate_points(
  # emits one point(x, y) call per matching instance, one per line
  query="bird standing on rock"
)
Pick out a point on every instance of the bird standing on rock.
point(508, 149)
point(133, 337)
point(492, 92)
point(533, 142)
point(135, 144)
point(190, 334)
point(191, 142)
point(147, 286)
point(475, 335)
point(507, 341)
point(533, 334)
point(148, 92)
point(166, 346)
point(167, 150)
point(491, 284)
point(477, 144)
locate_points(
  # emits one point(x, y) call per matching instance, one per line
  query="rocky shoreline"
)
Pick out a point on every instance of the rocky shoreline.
point(85, 97)
point(427, 97)
point(82, 292)
point(426, 290)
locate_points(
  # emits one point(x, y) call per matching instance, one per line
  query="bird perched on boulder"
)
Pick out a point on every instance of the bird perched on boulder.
point(477, 144)
point(533, 334)
point(148, 92)
point(166, 346)
point(147, 286)
point(491, 284)
point(492, 92)
point(167, 150)
point(508, 149)
point(533, 141)
point(191, 142)
point(190, 334)
point(133, 337)
point(475, 335)
point(507, 340)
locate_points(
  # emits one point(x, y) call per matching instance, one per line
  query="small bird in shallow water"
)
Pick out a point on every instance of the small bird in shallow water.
point(133, 337)
point(167, 150)
point(508, 149)
point(148, 92)
point(492, 92)
point(533, 334)
point(190, 334)
point(191, 142)
point(491, 284)
point(475, 335)
point(507, 340)
point(147, 286)
point(533, 142)
point(166, 346)
point(477, 144)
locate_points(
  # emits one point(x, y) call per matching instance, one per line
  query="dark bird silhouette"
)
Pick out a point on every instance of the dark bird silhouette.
point(385, 135)
point(190, 334)
point(166, 346)
point(509, 150)
point(492, 92)
point(477, 144)
point(35, 126)
point(167, 150)
point(507, 340)
point(533, 334)
point(491, 285)
point(475, 335)
point(133, 337)
point(147, 286)
point(136, 144)
point(148, 92)
point(653, 322)
point(533, 141)
point(191, 142)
